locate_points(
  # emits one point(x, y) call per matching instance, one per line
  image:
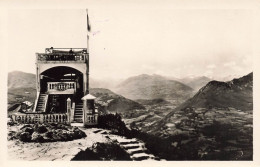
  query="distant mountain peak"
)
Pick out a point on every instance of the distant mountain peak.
point(17, 79)
point(153, 86)
point(234, 82)
point(236, 93)
point(216, 83)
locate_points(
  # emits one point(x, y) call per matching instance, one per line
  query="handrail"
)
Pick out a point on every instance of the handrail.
point(92, 119)
point(45, 102)
point(61, 85)
point(72, 111)
point(36, 101)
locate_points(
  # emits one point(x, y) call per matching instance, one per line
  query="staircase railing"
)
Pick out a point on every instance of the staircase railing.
point(91, 119)
point(45, 102)
point(36, 101)
point(72, 111)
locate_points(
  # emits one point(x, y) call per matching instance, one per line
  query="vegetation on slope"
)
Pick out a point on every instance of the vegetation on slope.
point(108, 100)
point(103, 151)
point(191, 146)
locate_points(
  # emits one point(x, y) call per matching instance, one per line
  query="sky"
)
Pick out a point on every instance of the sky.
point(132, 39)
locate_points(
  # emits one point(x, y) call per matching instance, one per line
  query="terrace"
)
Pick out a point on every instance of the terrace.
point(65, 55)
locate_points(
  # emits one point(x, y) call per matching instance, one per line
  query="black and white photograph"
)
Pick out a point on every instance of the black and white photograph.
point(123, 81)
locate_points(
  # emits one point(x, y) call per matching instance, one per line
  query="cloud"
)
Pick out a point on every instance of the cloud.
point(247, 60)
point(208, 73)
point(229, 64)
point(211, 66)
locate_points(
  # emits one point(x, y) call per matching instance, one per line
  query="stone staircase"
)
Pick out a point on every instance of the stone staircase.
point(78, 113)
point(41, 103)
point(135, 148)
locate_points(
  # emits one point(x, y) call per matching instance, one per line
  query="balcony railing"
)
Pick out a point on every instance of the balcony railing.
point(91, 119)
point(68, 87)
point(40, 118)
point(63, 58)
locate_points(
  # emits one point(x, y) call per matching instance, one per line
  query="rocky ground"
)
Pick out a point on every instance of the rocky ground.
point(52, 151)
point(67, 150)
point(47, 132)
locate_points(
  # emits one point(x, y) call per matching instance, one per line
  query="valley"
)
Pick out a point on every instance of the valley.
point(212, 133)
point(216, 123)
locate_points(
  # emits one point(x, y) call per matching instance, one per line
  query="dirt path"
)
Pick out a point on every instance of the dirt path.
point(52, 151)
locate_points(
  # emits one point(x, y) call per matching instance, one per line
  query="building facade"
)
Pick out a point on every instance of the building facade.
point(62, 83)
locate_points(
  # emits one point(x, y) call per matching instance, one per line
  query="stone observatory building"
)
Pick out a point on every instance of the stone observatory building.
point(62, 83)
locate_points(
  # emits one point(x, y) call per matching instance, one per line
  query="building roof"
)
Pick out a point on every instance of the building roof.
point(65, 51)
point(88, 97)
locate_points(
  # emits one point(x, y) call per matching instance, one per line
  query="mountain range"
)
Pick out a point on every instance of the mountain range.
point(152, 84)
point(153, 87)
point(215, 123)
point(21, 87)
point(236, 94)
point(18, 79)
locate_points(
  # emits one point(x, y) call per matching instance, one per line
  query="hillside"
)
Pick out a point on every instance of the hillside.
point(17, 95)
point(21, 87)
point(18, 79)
point(153, 87)
point(113, 102)
point(237, 93)
point(215, 124)
point(154, 102)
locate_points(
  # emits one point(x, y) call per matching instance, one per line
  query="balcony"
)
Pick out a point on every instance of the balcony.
point(61, 87)
point(61, 58)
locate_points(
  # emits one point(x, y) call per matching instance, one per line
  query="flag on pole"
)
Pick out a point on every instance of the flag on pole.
point(88, 24)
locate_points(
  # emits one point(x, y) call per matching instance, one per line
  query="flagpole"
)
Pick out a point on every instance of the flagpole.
point(88, 29)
